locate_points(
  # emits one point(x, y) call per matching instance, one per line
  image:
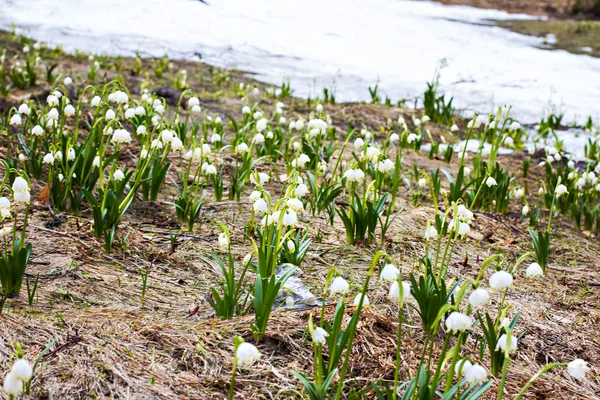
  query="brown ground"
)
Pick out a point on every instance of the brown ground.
point(106, 344)
point(554, 8)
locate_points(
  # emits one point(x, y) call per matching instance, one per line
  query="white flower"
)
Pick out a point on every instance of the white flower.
point(96, 162)
point(53, 114)
point(320, 335)
point(503, 343)
point(118, 175)
point(464, 214)
point(61, 177)
point(211, 170)
point(4, 207)
point(141, 130)
point(37, 130)
point(296, 205)
point(301, 190)
point(394, 293)
point(501, 280)
point(140, 110)
point(290, 218)
point(193, 101)
point(394, 138)
point(24, 109)
point(95, 101)
point(215, 138)
point(366, 300)
point(15, 119)
point(560, 190)
point(372, 153)
point(223, 240)
point(534, 270)
point(454, 128)
point(359, 143)
point(462, 367)
point(291, 246)
point(509, 141)
point(5, 231)
point(385, 165)
point(130, 113)
point(261, 124)
point(389, 273)
point(458, 322)
point(12, 385)
point(71, 154)
point(176, 144)
point(519, 193)
point(259, 206)
point(479, 297)
point(490, 181)
point(218, 120)
point(247, 258)
point(69, 110)
point(110, 114)
point(246, 355)
point(245, 110)
point(121, 136)
point(255, 195)
point(48, 159)
point(476, 374)
point(22, 370)
point(354, 175)
point(463, 229)
point(577, 368)
point(241, 148)
point(430, 232)
point(167, 136)
point(319, 108)
point(525, 210)
point(52, 100)
point(412, 137)
point(515, 126)
point(339, 286)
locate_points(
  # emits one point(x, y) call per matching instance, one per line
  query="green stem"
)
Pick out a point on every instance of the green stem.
point(539, 373)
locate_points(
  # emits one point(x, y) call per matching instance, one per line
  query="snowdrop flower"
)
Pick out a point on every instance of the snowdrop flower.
point(290, 218)
point(95, 101)
point(167, 135)
point(385, 166)
point(296, 146)
point(15, 119)
point(193, 101)
point(417, 122)
point(69, 110)
point(259, 138)
point(571, 164)
point(320, 335)
point(463, 229)
point(37, 130)
point(534, 270)
point(430, 232)
point(394, 138)
point(509, 141)
point(246, 355)
point(52, 100)
point(139, 110)
point(476, 374)
point(401, 121)
point(257, 115)
point(118, 175)
point(519, 193)
point(354, 175)
point(129, 113)
point(462, 367)
point(58, 155)
point(454, 128)
point(48, 159)
point(295, 205)
point(211, 170)
point(20, 190)
point(490, 181)
point(458, 322)
point(141, 130)
point(215, 138)
point(389, 273)
point(176, 144)
point(247, 258)
point(96, 162)
point(479, 297)
point(241, 148)
point(359, 143)
point(121, 136)
point(4, 232)
point(425, 119)
point(12, 386)
point(515, 126)
point(24, 109)
point(319, 108)
point(422, 182)
point(339, 286)
point(560, 190)
point(300, 161)
point(503, 343)
point(366, 300)
point(259, 206)
point(291, 246)
point(22, 370)
point(577, 368)
point(301, 190)
point(262, 178)
point(464, 214)
point(110, 114)
point(223, 240)
point(71, 154)
point(394, 293)
point(525, 210)
point(245, 110)
point(261, 124)
point(270, 135)
point(255, 195)
point(4, 207)
point(501, 280)
point(412, 137)
point(53, 114)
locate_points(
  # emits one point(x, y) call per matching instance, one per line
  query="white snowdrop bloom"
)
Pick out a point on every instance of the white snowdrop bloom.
point(71, 154)
point(394, 138)
point(372, 153)
point(223, 240)
point(95, 101)
point(15, 119)
point(255, 195)
point(354, 175)
point(156, 144)
point(476, 374)
point(490, 181)
point(412, 138)
point(96, 162)
point(139, 110)
point(12, 386)
point(196, 109)
point(68, 80)
point(534, 270)
point(301, 190)
point(320, 335)
point(241, 148)
point(509, 141)
point(300, 161)
point(24, 109)
point(53, 114)
point(262, 178)
point(22, 370)
point(519, 193)
point(425, 119)
point(577, 368)
point(401, 121)
point(389, 273)
point(278, 111)
point(580, 183)
point(504, 344)
point(366, 301)
point(385, 166)
point(167, 136)
point(501, 280)
point(541, 190)
point(551, 150)
point(52, 100)
point(295, 205)
point(417, 122)
point(359, 143)
point(215, 138)
point(463, 228)
point(492, 125)
point(299, 125)
point(120, 97)
point(176, 144)
point(458, 322)
point(506, 323)
point(454, 128)
point(394, 293)
point(193, 101)
point(525, 210)
point(462, 367)
point(257, 115)
point(160, 109)
point(290, 218)
point(204, 166)
point(6, 231)
point(319, 108)
point(247, 259)
point(479, 297)
point(129, 113)
point(259, 206)
point(291, 246)
point(259, 138)
point(121, 136)
point(339, 286)
point(422, 182)
point(143, 153)
point(270, 135)
point(560, 190)
point(464, 214)
point(58, 155)
point(110, 114)
point(515, 126)
point(118, 175)
point(69, 110)
point(245, 110)
point(22, 157)
point(48, 159)
point(141, 130)
point(557, 157)
point(4, 207)
point(37, 130)
point(431, 232)
point(211, 170)
point(261, 124)
point(246, 355)
point(20, 185)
